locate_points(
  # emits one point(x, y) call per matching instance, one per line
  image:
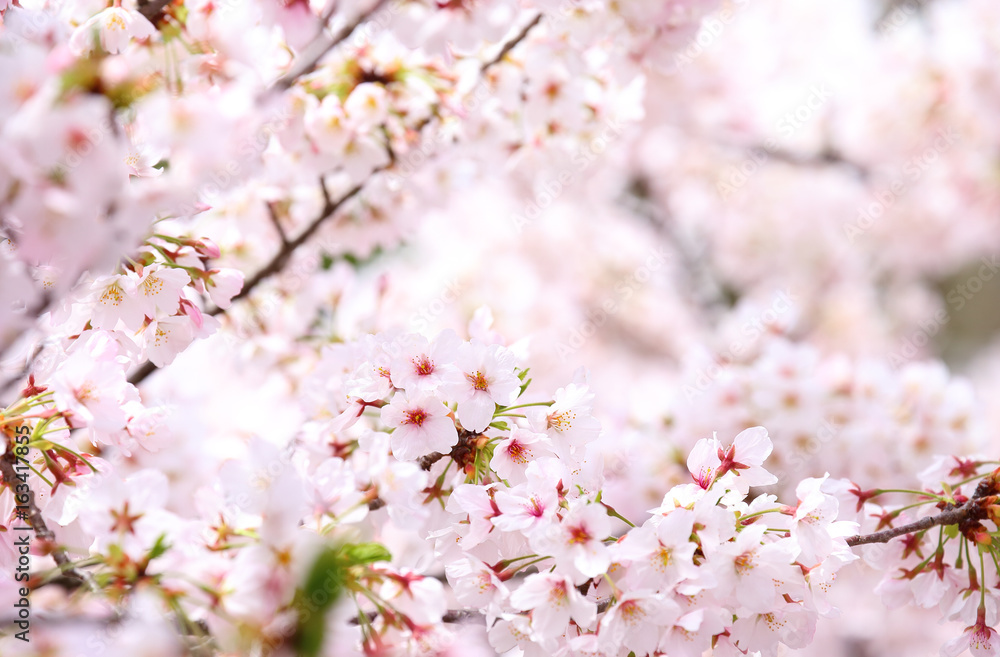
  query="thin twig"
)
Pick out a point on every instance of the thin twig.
point(330, 207)
point(954, 516)
point(318, 49)
point(277, 223)
point(37, 522)
point(510, 45)
point(425, 462)
point(280, 259)
point(152, 9)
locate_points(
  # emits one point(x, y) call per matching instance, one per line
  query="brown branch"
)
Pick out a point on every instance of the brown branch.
point(310, 60)
point(970, 511)
point(510, 45)
point(37, 522)
point(280, 259)
point(330, 207)
point(272, 213)
point(425, 462)
point(152, 9)
point(275, 265)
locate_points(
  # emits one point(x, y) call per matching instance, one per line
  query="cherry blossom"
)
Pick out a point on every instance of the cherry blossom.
point(484, 378)
point(407, 327)
point(115, 26)
point(421, 426)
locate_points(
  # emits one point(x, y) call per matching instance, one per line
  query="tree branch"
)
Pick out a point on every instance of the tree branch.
point(152, 9)
point(330, 207)
point(510, 45)
point(37, 522)
point(315, 51)
point(970, 511)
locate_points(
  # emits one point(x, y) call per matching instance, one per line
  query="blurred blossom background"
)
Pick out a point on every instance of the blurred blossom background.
point(788, 216)
point(793, 220)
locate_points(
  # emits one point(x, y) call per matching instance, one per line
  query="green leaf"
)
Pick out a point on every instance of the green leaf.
point(364, 553)
point(951, 531)
point(159, 548)
point(524, 386)
point(323, 586)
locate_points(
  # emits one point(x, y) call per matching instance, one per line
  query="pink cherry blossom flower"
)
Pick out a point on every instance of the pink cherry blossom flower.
point(512, 456)
point(476, 585)
point(159, 290)
point(568, 422)
point(636, 621)
point(815, 526)
point(420, 598)
point(128, 513)
point(423, 365)
point(477, 502)
point(659, 555)
point(523, 509)
point(785, 623)
point(483, 377)
point(552, 600)
point(223, 285)
point(366, 106)
point(421, 426)
point(708, 461)
point(115, 299)
point(115, 26)
point(979, 639)
point(140, 161)
point(91, 386)
point(750, 571)
point(167, 337)
point(577, 541)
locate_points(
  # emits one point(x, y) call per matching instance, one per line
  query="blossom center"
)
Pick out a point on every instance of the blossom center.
point(745, 563)
point(152, 285)
point(417, 416)
point(662, 559)
point(112, 295)
point(557, 595)
point(478, 380)
point(423, 365)
point(115, 22)
point(124, 522)
point(578, 535)
point(517, 452)
point(632, 612)
point(561, 421)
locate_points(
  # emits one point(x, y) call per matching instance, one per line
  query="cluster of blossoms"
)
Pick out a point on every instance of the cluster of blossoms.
point(438, 441)
point(303, 483)
point(519, 525)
